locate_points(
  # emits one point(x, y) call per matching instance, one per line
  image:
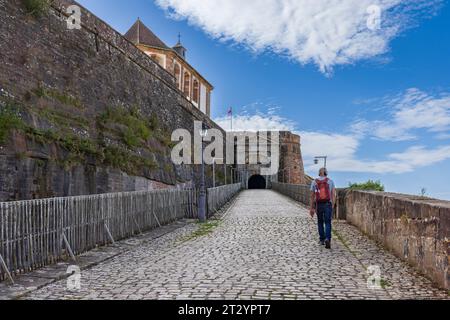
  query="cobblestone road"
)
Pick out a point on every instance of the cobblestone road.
point(265, 248)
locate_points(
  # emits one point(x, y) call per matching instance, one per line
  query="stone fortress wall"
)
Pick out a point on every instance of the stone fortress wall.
point(87, 111)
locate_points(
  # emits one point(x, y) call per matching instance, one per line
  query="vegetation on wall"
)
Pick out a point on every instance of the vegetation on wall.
point(63, 119)
point(367, 186)
point(62, 97)
point(9, 120)
point(220, 177)
point(37, 8)
point(134, 128)
point(128, 124)
point(132, 138)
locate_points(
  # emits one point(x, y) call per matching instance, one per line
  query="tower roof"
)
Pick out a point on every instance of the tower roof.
point(179, 48)
point(140, 34)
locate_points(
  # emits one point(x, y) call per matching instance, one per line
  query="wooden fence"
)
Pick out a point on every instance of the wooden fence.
point(37, 233)
point(298, 192)
point(302, 193)
point(217, 197)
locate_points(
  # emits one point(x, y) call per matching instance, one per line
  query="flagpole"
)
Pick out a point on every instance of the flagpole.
point(230, 112)
point(231, 120)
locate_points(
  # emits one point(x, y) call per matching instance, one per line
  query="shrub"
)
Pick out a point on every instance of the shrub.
point(9, 120)
point(135, 130)
point(37, 8)
point(368, 186)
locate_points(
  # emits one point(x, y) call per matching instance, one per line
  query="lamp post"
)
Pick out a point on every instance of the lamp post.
point(214, 171)
point(225, 171)
point(316, 160)
point(202, 195)
point(232, 176)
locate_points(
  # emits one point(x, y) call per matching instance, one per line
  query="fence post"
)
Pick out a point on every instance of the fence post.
point(137, 225)
point(5, 267)
point(66, 242)
point(109, 233)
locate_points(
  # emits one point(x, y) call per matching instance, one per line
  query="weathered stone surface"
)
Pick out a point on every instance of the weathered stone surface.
point(413, 228)
point(291, 160)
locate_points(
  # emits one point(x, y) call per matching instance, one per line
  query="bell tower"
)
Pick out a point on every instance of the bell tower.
point(179, 48)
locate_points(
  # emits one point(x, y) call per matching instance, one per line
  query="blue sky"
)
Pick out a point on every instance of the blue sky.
point(375, 100)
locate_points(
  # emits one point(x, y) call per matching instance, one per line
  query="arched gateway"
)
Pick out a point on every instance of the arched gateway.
point(257, 182)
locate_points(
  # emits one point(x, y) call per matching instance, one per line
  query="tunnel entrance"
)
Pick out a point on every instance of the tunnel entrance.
point(257, 182)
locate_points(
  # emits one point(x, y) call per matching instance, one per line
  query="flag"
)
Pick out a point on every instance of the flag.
point(230, 114)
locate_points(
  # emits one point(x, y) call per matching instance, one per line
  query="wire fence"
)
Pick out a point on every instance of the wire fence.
point(36, 233)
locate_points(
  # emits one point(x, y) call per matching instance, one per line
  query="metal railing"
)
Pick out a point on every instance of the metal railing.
point(219, 196)
point(36, 233)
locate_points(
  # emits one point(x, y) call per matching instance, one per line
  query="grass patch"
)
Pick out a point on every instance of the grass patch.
point(63, 119)
point(203, 229)
point(165, 138)
point(343, 241)
point(168, 168)
point(124, 160)
point(41, 136)
point(37, 8)
point(40, 92)
point(130, 139)
point(9, 120)
point(384, 283)
point(134, 130)
point(62, 97)
point(79, 149)
point(78, 145)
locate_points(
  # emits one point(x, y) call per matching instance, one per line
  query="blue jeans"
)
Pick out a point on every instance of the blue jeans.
point(324, 216)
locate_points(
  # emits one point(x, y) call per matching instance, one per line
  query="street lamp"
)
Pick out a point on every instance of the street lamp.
point(232, 175)
point(202, 195)
point(214, 171)
point(316, 160)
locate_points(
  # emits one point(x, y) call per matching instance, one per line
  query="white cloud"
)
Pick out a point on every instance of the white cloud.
point(257, 122)
point(324, 32)
point(342, 148)
point(409, 111)
point(337, 146)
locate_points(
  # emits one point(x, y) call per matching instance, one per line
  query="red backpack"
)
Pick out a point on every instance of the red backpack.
point(322, 190)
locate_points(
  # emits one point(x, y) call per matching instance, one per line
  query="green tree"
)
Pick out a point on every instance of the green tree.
point(369, 186)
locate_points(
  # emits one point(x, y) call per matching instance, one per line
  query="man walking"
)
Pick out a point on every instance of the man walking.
point(323, 198)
